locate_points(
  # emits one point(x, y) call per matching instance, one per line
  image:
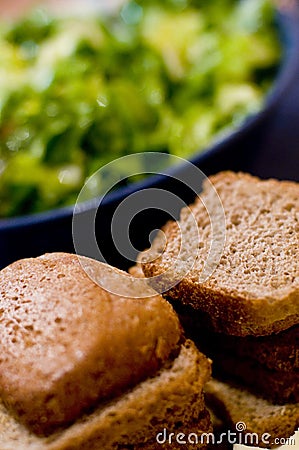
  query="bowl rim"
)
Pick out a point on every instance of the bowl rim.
point(288, 24)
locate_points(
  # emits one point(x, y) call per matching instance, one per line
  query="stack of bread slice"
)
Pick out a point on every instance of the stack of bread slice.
point(82, 368)
point(245, 316)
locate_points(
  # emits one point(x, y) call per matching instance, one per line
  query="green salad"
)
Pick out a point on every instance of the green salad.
point(76, 93)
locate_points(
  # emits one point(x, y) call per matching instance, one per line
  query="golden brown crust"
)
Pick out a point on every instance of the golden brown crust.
point(67, 344)
point(255, 288)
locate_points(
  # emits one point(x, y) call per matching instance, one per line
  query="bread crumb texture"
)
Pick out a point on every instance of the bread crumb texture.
point(255, 287)
point(173, 399)
point(67, 344)
point(234, 404)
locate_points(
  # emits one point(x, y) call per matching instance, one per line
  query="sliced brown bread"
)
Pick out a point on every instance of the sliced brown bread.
point(172, 399)
point(255, 288)
point(126, 337)
point(276, 351)
point(234, 404)
point(277, 386)
point(66, 343)
point(267, 365)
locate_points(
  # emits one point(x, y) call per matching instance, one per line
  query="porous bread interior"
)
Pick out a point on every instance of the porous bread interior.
point(255, 287)
point(59, 333)
point(172, 399)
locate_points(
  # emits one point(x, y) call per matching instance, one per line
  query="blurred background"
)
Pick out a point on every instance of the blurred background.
point(196, 107)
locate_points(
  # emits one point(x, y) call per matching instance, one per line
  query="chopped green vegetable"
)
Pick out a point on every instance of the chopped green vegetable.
point(76, 93)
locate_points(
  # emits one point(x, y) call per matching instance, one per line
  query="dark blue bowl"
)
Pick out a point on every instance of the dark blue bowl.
point(267, 144)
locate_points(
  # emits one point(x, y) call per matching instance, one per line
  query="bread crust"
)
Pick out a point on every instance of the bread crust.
point(279, 352)
point(67, 344)
point(172, 399)
point(266, 365)
point(276, 386)
point(255, 287)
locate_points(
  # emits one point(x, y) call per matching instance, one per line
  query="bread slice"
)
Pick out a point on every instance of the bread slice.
point(234, 405)
point(172, 399)
point(67, 344)
point(278, 352)
point(276, 386)
point(254, 290)
point(266, 365)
